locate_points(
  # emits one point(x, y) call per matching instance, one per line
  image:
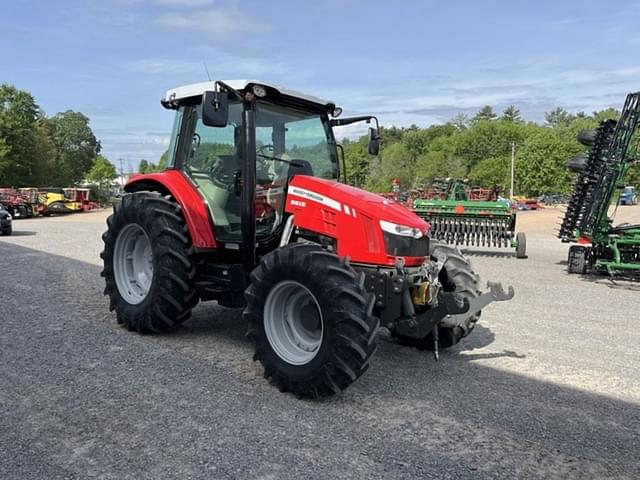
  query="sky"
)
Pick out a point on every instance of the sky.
point(406, 61)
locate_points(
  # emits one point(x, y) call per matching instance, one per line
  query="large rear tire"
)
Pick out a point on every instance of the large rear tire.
point(310, 318)
point(148, 264)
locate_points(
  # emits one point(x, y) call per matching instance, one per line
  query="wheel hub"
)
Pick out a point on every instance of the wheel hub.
point(133, 264)
point(293, 322)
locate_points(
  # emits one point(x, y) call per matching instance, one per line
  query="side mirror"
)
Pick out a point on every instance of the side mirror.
point(215, 109)
point(374, 141)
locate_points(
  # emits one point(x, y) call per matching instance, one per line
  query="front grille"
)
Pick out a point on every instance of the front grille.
point(406, 246)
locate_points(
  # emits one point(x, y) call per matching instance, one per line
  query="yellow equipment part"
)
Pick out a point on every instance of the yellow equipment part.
point(52, 197)
point(420, 294)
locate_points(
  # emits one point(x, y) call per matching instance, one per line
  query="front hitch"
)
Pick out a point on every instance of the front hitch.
point(496, 293)
point(449, 311)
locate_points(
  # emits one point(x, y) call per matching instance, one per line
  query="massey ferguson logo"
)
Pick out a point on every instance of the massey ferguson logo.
point(308, 194)
point(316, 197)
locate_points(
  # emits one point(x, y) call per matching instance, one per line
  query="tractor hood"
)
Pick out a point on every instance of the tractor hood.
point(367, 227)
point(347, 198)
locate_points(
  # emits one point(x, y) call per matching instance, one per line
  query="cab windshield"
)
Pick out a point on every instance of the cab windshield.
point(285, 137)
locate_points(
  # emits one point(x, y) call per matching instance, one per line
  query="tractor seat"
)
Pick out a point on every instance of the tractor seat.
point(299, 167)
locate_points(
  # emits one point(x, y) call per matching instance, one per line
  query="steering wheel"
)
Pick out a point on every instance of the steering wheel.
point(223, 177)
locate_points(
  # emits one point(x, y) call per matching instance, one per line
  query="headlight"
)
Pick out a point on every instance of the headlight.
point(401, 230)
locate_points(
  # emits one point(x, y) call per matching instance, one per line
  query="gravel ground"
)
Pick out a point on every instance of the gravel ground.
point(547, 386)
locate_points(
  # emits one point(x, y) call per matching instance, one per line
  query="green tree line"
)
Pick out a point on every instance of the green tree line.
point(37, 150)
point(478, 149)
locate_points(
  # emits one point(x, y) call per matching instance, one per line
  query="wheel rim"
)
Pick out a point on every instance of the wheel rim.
point(293, 322)
point(133, 264)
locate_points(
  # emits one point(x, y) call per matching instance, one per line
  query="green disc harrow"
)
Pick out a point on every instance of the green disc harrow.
point(475, 223)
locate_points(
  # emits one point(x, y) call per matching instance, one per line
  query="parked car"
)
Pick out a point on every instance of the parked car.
point(629, 196)
point(5, 221)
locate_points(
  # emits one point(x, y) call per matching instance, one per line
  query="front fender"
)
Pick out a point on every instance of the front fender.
point(194, 208)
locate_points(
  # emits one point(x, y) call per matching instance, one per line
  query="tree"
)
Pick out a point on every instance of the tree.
point(164, 160)
point(357, 161)
point(103, 172)
point(485, 113)
point(19, 116)
point(491, 172)
point(393, 162)
point(460, 121)
point(607, 114)
point(44, 155)
point(440, 160)
point(489, 139)
point(557, 117)
point(143, 166)
point(76, 145)
point(512, 114)
point(541, 164)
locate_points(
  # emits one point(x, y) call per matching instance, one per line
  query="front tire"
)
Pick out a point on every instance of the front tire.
point(456, 276)
point(148, 264)
point(310, 318)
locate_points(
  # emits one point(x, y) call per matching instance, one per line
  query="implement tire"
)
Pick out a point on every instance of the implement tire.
point(148, 264)
point(521, 245)
point(310, 318)
point(577, 259)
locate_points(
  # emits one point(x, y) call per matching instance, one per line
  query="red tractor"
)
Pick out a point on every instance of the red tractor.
point(250, 213)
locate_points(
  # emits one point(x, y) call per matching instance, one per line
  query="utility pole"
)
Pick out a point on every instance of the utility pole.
point(121, 173)
point(513, 164)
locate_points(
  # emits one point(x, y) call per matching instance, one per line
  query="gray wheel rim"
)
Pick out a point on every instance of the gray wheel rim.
point(133, 264)
point(293, 322)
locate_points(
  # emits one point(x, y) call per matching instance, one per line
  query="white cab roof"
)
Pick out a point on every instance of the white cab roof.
point(197, 89)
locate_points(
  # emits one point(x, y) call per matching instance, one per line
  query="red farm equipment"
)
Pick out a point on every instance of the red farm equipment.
point(16, 203)
point(80, 198)
point(250, 213)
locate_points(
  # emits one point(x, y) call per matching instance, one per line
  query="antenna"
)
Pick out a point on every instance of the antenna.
point(206, 70)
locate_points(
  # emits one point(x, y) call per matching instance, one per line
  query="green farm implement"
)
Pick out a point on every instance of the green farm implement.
point(458, 220)
point(603, 247)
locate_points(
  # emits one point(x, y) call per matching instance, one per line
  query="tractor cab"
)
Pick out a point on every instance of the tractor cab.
point(292, 135)
point(240, 142)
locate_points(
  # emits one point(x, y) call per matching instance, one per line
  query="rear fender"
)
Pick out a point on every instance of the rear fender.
point(194, 209)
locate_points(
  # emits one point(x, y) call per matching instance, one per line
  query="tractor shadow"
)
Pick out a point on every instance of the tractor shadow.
point(212, 320)
point(481, 337)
